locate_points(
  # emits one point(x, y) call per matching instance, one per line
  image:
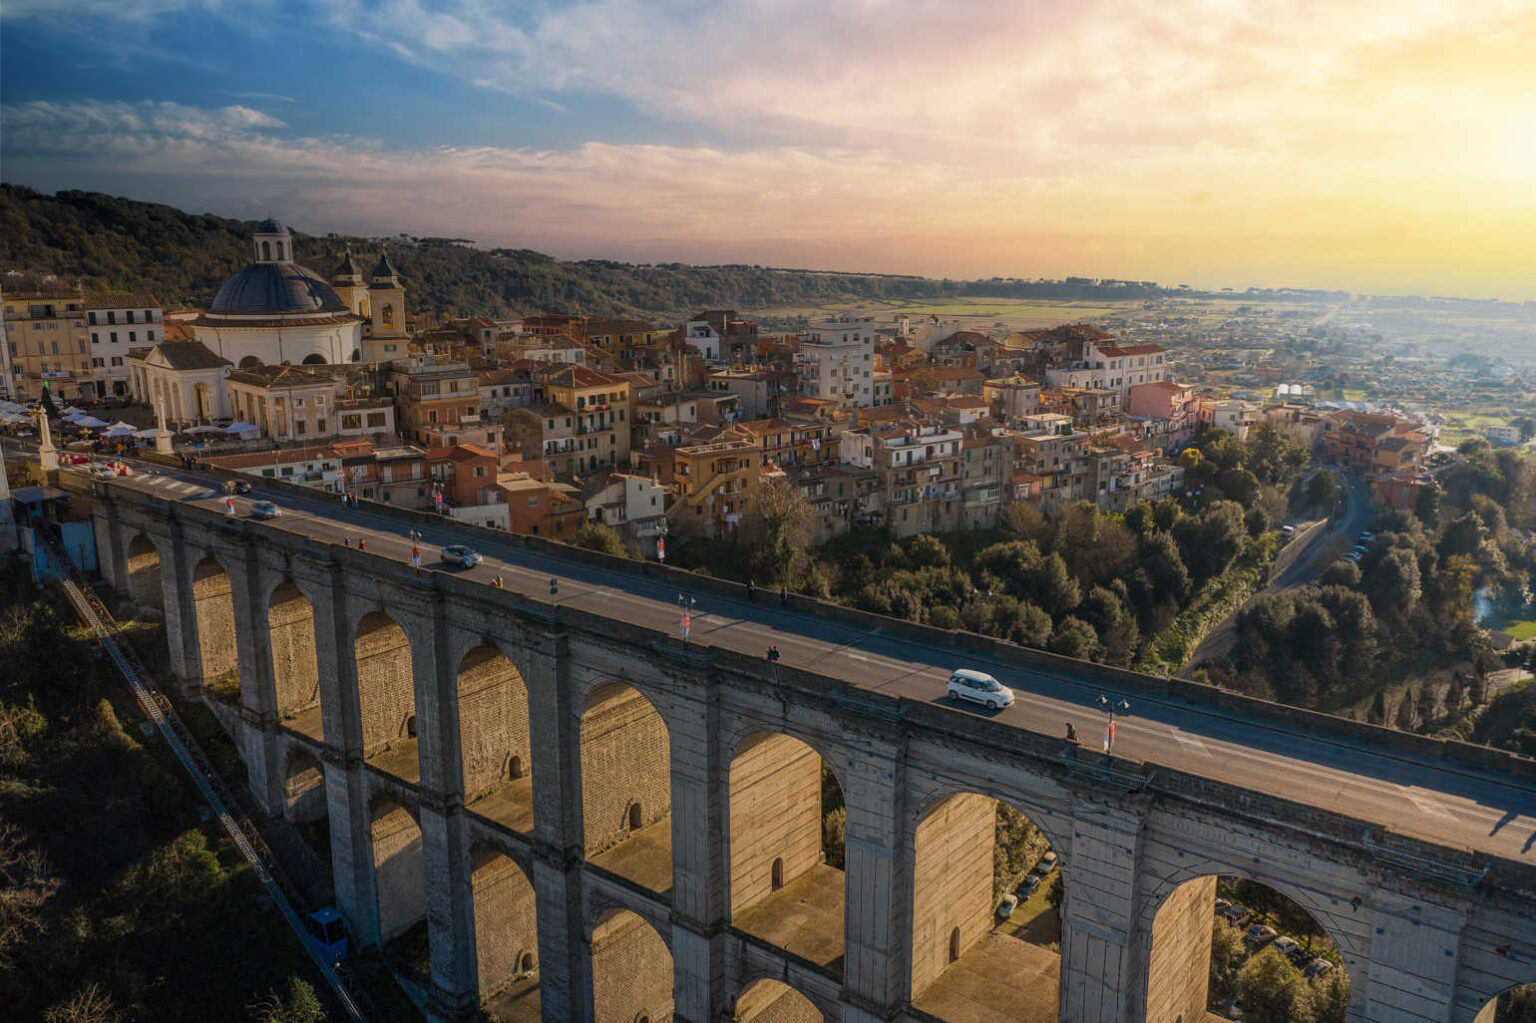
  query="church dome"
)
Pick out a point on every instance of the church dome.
point(274, 289)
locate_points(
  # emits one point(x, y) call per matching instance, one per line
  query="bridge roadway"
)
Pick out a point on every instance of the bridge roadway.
point(1440, 801)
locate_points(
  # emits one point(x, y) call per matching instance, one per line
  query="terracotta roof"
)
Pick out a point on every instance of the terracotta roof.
point(279, 376)
point(1115, 351)
point(185, 355)
point(121, 300)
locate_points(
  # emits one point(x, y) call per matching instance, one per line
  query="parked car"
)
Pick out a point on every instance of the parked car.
point(1360, 549)
point(1366, 537)
point(1317, 968)
point(978, 687)
point(1028, 886)
point(1007, 906)
point(1287, 531)
point(1260, 934)
point(458, 554)
point(1350, 556)
point(1046, 865)
point(1286, 946)
point(264, 510)
point(242, 486)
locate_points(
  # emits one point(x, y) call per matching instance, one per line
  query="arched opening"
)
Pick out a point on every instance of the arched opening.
point(303, 786)
point(145, 583)
point(1220, 942)
point(250, 362)
point(493, 738)
point(386, 695)
point(388, 316)
point(266, 250)
point(626, 761)
point(214, 613)
point(772, 1001)
point(313, 359)
point(985, 905)
point(398, 869)
point(281, 255)
point(295, 671)
point(636, 819)
point(1517, 1005)
point(506, 924)
point(786, 847)
point(357, 355)
point(631, 970)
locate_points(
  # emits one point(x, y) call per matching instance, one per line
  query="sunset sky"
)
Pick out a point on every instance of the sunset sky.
point(1375, 146)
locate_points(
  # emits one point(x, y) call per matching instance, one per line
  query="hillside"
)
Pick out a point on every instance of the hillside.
point(119, 243)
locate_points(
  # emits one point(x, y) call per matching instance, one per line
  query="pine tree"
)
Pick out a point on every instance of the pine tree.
point(1406, 718)
point(48, 405)
point(1378, 715)
point(1455, 694)
point(1429, 702)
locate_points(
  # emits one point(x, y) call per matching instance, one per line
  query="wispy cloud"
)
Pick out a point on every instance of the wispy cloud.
point(851, 208)
point(264, 97)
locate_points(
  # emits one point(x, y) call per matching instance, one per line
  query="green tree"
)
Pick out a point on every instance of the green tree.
point(1075, 638)
point(1426, 506)
point(1407, 713)
point(300, 1006)
point(1321, 491)
point(1331, 996)
point(1273, 991)
point(595, 536)
point(1227, 955)
point(48, 405)
point(1271, 455)
point(1378, 712)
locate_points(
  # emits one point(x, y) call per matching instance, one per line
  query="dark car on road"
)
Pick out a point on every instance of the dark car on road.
point(462, 556)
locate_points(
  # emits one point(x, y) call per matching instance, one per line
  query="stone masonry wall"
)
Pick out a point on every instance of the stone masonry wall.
point(398, 870)
point(215, 609)
point(951, 881)
point(493, 720)
point(625, 758)
point(631, 972)
point(291, 624)
point(303, 787)
point(769, 1001)
point(506, 926)
point(775, 814)
point(384, 683)
point(145, 586)
point(1178, 977)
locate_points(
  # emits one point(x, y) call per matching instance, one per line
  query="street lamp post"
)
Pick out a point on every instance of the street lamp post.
point(1110, 709)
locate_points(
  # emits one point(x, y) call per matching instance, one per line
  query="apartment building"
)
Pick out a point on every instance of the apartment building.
point(633, 506)
point(119, 323)
point(1052, 457)
point(47, 345)
point(919, 468)
point(430, 394)
point(1102, 363)
point(1012, 397)
point(599, 404)
point(713, 483)
point(835, 361)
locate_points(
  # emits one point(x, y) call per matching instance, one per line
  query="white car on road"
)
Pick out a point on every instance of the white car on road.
point(980, 687)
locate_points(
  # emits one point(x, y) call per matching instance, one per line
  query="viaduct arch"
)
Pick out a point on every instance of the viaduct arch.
point(404, 663)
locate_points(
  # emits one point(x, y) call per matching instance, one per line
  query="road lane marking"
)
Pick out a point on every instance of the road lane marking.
point(1191, 744)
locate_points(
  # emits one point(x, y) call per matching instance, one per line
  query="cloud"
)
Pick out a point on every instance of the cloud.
point(856, 208)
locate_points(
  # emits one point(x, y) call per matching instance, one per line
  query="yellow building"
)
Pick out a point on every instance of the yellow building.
point(47, 345)
point(713, 483)
point(600, 404)
point(384, 336)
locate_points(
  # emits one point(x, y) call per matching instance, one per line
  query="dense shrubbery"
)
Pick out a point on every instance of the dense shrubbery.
point(1409, 600)
point(114, 902)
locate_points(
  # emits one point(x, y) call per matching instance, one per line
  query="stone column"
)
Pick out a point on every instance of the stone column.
point(1099, 914)
point(701, 916)
point(180, 612)
point(258, 688)
point(1415, 948)
point(877, 860)
point(111, 557)
point(444, 841)
point(554, 715)
point(346, 788)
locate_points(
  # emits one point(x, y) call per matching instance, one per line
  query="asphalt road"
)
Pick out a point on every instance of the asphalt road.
point(1421, 796)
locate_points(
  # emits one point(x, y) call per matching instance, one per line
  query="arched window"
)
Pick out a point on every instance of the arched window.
point(410, 726)
point(389, 314)
point(280, 256)
point(266, 250)
point(954, 944)
point(778, 873)
point(634, 816)
point(525, 963)
point(515, 768)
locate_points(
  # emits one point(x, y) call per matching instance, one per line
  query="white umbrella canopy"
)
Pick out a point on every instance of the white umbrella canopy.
point(202, 429)
point(149, 434)
point(241, 428)
point(121, 429)
point(89, 422)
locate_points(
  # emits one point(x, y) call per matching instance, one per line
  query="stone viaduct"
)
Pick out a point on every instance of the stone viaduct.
point(583, 803)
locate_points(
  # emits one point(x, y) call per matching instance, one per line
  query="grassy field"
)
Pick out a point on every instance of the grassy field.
point(987, 314)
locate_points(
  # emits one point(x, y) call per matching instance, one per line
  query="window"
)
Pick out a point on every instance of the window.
point(149, 316)
point(133, 336)
point(113, 337)
point(98, 362)
point(111, 317)
point(320, 426)
point(92, 318)
point(300, 426)
point(130, 316)
point(95, 338)
point(375, 419)
point(55, 348)
point(149, 335)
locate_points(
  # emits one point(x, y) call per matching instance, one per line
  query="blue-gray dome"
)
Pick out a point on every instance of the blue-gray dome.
point(276, 288)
